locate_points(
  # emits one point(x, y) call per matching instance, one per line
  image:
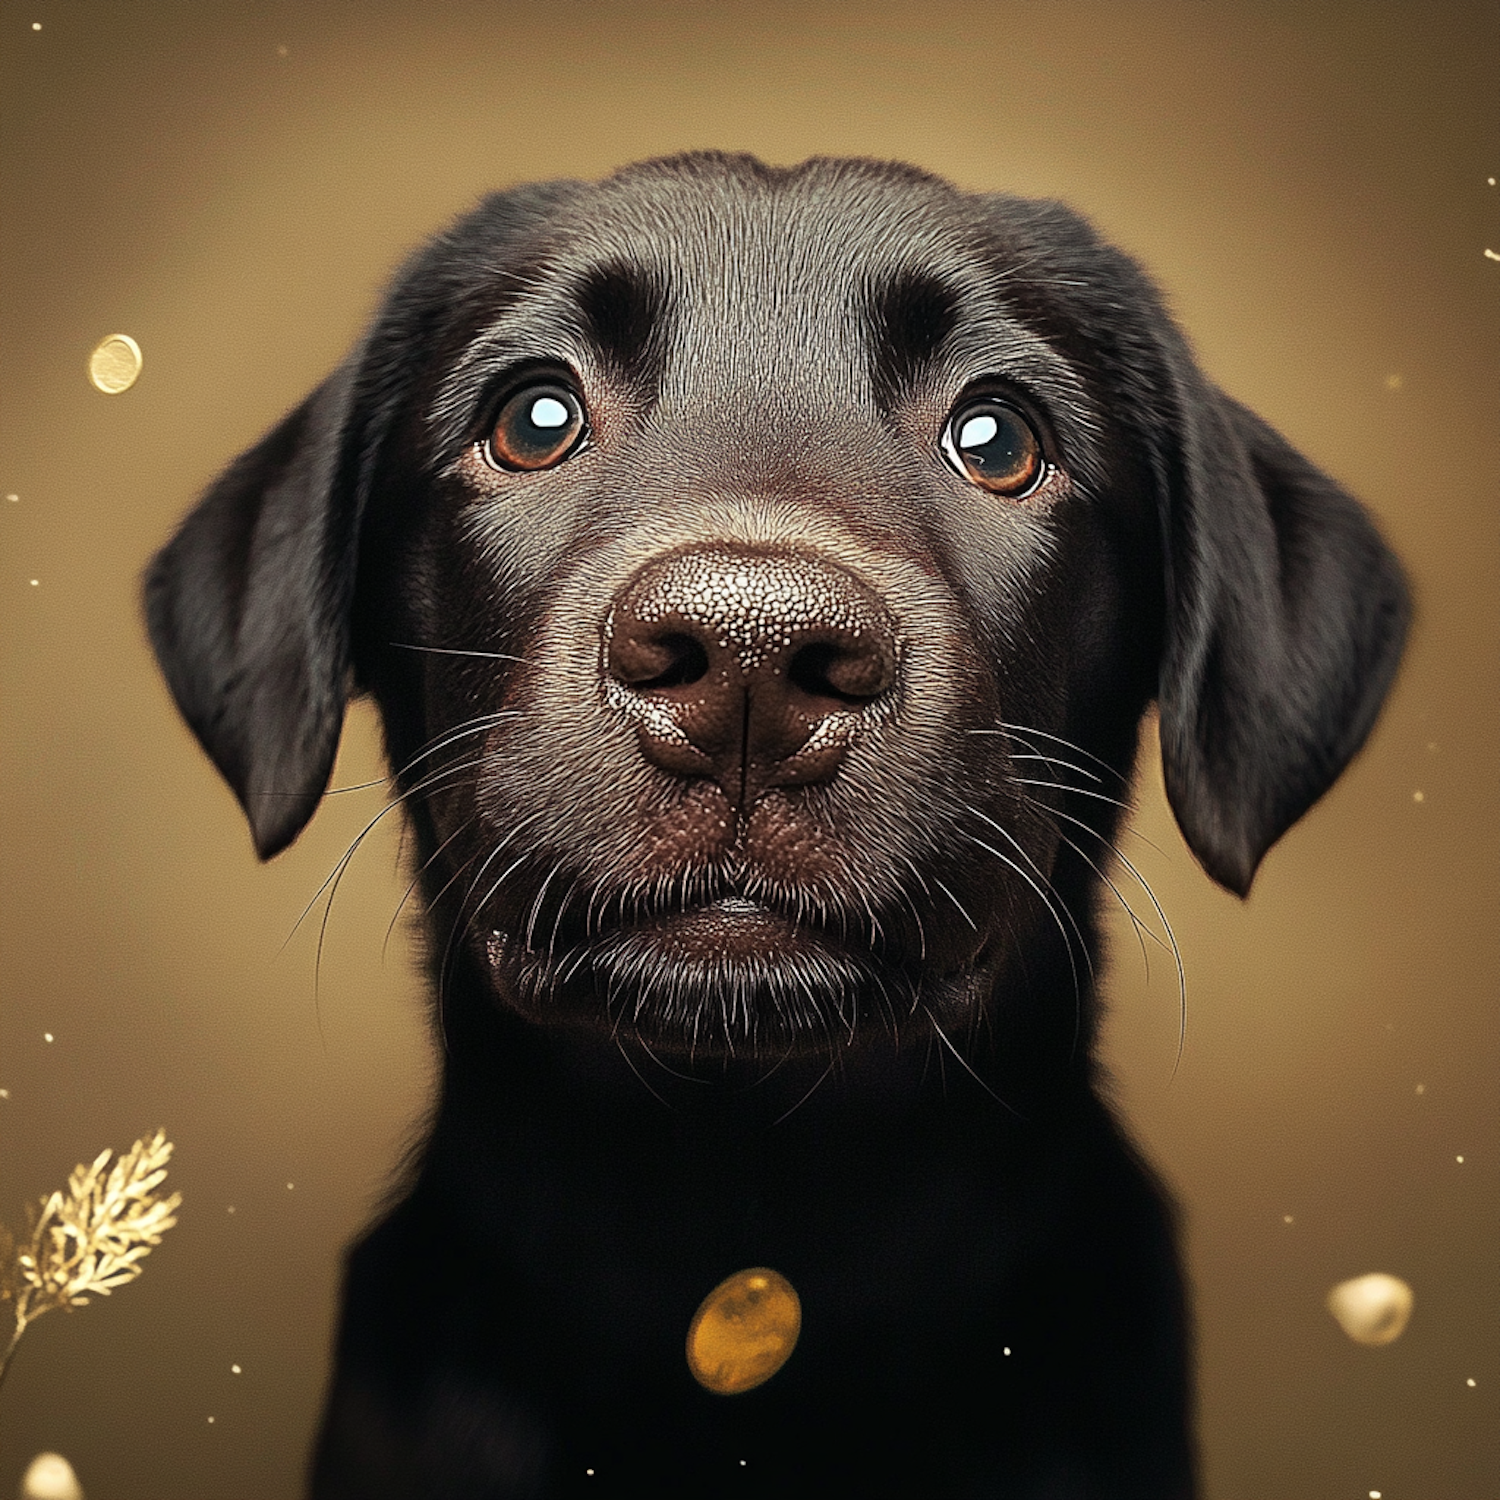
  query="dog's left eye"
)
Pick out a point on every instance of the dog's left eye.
point(994, 446)
point(536, 428)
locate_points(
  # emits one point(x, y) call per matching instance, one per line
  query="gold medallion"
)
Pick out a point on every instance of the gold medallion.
point(115, 364)
point(743, 1331)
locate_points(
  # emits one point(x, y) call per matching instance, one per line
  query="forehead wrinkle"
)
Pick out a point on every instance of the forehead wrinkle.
point(770, 305)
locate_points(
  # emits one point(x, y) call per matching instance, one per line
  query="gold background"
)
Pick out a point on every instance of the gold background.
point(231, 182)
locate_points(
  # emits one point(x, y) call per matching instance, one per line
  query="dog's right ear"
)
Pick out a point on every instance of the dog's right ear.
point(248, 608)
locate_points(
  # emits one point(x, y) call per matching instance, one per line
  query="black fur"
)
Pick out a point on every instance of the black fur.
point(745, 958)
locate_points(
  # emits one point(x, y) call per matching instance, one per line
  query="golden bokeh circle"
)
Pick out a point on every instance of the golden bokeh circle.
point(1373, 1309)
point(115, 364)
point(744, 1331)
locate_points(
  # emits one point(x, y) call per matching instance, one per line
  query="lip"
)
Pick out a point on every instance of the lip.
point(733, 927)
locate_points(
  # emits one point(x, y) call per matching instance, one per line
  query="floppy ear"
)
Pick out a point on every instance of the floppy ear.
point(1286, 615)
point(248, 609)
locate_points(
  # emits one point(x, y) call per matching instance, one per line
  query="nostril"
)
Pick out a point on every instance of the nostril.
point(854, 673)
point(664, 659)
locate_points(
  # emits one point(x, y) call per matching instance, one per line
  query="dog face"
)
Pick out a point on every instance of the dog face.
point(762, 574)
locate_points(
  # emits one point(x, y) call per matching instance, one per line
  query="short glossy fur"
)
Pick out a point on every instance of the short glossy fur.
point(766, 945)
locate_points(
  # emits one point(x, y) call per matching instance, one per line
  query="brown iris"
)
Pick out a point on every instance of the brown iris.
point(539, 426)
point(994, 446)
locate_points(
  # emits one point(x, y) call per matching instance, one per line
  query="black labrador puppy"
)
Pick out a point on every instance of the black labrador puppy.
point(762, 574)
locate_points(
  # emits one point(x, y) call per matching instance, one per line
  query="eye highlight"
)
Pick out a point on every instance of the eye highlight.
point(537, 428)
point(992, 445)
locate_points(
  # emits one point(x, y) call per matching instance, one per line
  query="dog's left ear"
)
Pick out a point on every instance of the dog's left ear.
point(248, 608)
point(1286, 615)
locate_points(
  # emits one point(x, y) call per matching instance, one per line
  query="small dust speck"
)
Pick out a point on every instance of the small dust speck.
point(210, 1421)
point(281, 51)
point(1469, 1383)
point(13, 499)
point(4, 1093)
point(235, 1370)
point(1418, 796)
point(1421, 1088)
point(1286, 1218)
point(231, 1208)
point(46, 1036)
point(36, 25)
point(290, 1186)
point(1491, 255)
point(1006, 1349)
point(1393, 382)
point(1459, 1160)
point(36, 583)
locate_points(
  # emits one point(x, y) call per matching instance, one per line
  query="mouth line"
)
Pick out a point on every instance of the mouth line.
point(578, 912)
point(719, 929)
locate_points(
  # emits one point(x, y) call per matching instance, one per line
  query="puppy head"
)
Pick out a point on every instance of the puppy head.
point(762, 574)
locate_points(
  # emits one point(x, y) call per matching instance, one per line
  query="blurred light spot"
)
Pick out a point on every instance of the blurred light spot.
point(1374, 1495)
point(47, 1037)
point(1006, 1349)
point(744, 1331)
point(115, 364)
point(1393, 382)
point(36, 583)
point(1286, 1218)
point(1468, 1382)
point(1421, 1088)
point(1418, 797)
point(1490, 255)
point(281, 52)
point(210, 1421)
point(290, 1186)
point(231, 1208)
point(1373, 1309)
point(1458, 1159)
point(235, 1370)
point(588, 1471)
point(4, 1093)
point(36, 25)
point(14, 499)
point(50, 1476)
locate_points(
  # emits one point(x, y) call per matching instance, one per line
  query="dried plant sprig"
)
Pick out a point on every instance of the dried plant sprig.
point(88, 1240)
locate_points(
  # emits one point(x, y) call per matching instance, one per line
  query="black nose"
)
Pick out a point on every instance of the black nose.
point(751, 668)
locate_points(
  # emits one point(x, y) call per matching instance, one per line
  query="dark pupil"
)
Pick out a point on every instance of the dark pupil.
point(538, 423)
point(993, 443)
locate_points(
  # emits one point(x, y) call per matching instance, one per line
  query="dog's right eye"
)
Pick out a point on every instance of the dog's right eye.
point(537, 428)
